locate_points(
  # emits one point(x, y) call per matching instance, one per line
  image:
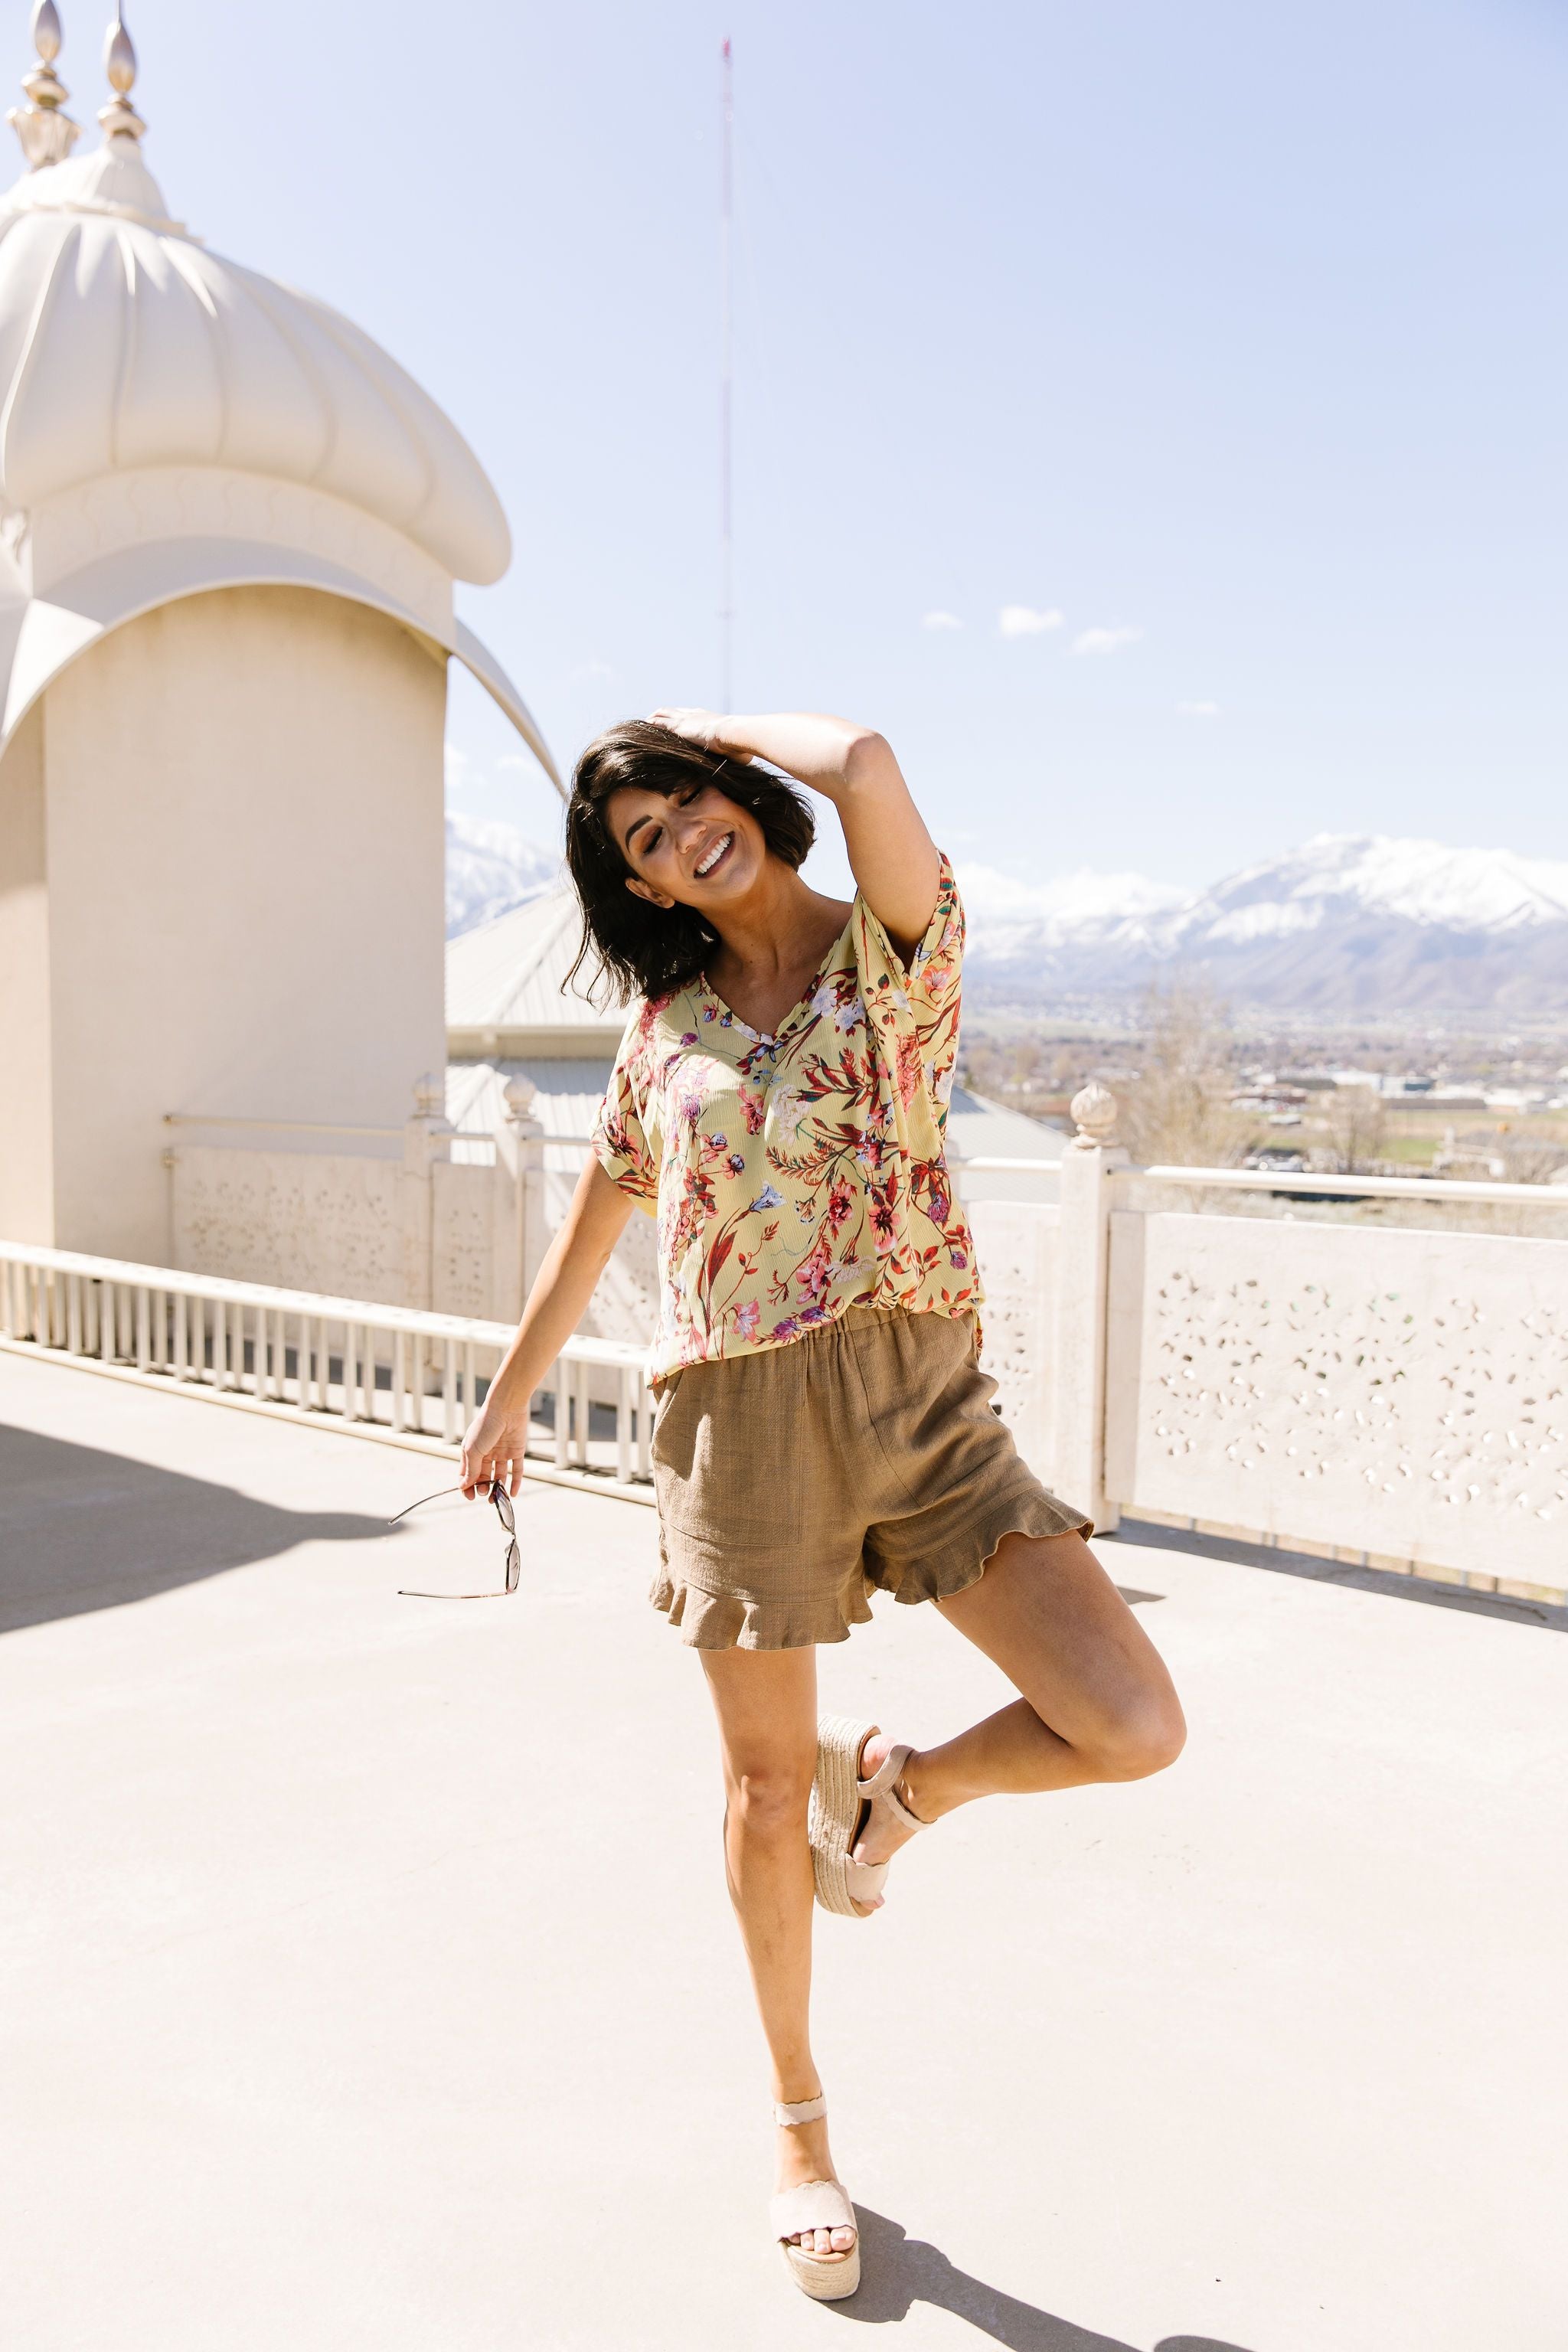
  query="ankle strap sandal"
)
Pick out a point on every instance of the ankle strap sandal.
point(841, 1806)
point(815, 2205)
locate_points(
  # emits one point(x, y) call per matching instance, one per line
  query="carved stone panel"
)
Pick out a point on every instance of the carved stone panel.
point(465, 1202)
point(1015, 1241)
point(1398, 1393)
point(304, 1221)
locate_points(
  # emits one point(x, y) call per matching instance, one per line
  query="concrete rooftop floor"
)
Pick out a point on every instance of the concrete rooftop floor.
point(369, 1979)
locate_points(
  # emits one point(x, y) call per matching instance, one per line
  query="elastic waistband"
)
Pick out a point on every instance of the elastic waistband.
point(835, 1327)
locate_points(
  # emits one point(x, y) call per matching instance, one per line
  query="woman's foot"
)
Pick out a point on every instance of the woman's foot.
point(802, 2156)
point(880, 1832)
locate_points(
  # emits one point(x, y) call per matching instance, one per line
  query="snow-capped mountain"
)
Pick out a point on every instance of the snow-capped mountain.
point(491, 867)
point(1344, 924)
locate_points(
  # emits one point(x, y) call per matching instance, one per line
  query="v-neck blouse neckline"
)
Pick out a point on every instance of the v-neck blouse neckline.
point(730, 1019)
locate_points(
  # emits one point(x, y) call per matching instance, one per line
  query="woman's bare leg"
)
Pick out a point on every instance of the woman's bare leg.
point(766, 1704)
point(1096, 1701)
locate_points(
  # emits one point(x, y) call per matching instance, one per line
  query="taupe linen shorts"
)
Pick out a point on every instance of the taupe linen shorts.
point(794, 1481)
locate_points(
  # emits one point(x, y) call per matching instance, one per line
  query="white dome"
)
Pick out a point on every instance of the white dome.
point(125, 345)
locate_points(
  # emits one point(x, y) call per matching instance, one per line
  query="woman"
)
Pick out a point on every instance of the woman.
point(823, 1426)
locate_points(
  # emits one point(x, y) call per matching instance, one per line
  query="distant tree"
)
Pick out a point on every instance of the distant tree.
point(1177, 1112)
point(1533, 1159)
point(1357, 1124)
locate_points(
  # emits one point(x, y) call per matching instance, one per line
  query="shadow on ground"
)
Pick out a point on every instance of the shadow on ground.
point(1337, 1571)
point(80, 1530)
point(903, 2270)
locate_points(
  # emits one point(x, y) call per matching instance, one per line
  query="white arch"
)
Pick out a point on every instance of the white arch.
point(40, 637)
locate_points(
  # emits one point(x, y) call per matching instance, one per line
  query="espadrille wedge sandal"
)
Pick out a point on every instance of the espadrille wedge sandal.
point(815, 2205)
point(839, 1798)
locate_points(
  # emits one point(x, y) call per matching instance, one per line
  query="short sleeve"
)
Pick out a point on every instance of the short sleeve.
point(936, 967)
point(931, 980)
point(619, 1137)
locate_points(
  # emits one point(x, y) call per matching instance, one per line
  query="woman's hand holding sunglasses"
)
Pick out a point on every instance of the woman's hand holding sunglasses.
point(493, 1449)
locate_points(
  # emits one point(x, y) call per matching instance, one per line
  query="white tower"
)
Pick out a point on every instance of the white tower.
point(229, 530)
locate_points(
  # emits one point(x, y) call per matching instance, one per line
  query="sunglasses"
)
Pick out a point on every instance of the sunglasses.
point(507, 1518)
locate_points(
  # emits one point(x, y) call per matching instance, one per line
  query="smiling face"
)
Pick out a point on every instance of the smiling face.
point(692, 848)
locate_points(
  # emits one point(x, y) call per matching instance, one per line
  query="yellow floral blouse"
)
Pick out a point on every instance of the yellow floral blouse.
point(798, 1174)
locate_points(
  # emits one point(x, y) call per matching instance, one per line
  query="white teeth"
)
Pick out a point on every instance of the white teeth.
point(715, 854)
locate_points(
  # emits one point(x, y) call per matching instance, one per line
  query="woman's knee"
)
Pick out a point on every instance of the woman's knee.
point(1141, 1737)
point(770, 1800)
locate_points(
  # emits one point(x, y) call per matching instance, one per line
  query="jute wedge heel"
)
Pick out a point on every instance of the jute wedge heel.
point(815, 2205)
point(839, 1797)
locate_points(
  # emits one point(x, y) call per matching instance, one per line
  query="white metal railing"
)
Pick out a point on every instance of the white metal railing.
point(344, 1360)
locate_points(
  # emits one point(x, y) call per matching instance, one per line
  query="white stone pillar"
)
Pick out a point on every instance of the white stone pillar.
point(520, 1156)
point(1084, 1239)
point(423, 1142)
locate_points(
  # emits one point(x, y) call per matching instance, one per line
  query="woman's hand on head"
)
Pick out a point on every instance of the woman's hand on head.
point(492, 1453)
point(704, 728)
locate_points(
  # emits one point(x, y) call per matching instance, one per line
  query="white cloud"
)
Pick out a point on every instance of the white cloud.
point(1104, 641)
point(1023, 621)
point(1197, 710)
point(1084, 897)
point(940, 621)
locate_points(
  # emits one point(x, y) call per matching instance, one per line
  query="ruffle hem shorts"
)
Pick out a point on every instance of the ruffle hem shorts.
point(794, 1481)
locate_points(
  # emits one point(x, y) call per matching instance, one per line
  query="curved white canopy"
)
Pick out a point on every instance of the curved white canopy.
point(123, 343)
point(172, 424)
point(42, 635)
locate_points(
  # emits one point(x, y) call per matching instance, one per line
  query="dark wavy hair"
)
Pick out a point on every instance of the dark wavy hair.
point(642, 949)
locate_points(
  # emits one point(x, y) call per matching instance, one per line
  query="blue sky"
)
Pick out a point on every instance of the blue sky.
point(1239, 328)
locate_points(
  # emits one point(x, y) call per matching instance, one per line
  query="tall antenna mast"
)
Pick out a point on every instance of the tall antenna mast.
point(726, 387)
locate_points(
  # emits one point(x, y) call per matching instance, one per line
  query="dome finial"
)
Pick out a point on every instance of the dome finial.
point(119, 118)
point(48, 135)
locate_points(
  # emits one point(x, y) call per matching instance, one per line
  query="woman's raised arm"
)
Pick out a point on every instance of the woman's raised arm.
point(892, 855)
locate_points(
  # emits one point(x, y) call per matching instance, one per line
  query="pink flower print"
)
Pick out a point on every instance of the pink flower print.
point(754, 1104)
point(747, 1318)
point(690, 1037)
point(840, 1205)
point(911, 1070)
point(882, 1225)
point(938, 971)
point(958, 1260)
point(929, 1176)
point(812, 1273)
